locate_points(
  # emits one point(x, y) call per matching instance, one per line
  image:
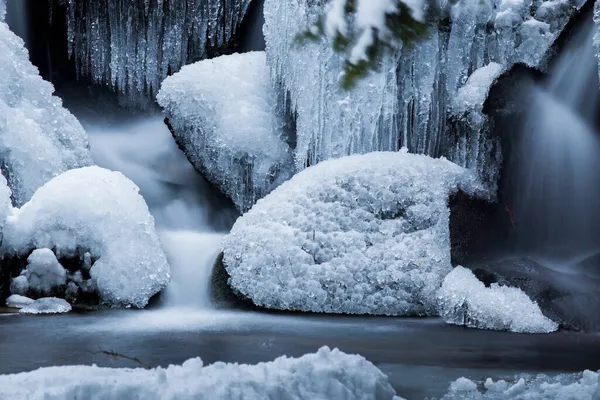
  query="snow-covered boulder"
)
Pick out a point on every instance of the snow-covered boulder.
point(464, 300)
point(18, 301)
point(98, 214)
point(223, 114)
point(365, 234)
point(328, 374)
point(580, 386)
point(46, 305)
point(39, 139)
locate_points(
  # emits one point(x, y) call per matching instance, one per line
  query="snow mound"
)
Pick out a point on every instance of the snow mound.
point(364, 234)
point(44, 273)
point(18, 301)
point(328, 374)
point(46, 305)
point(581, 386)
point(101, 212)
point(464, 300)
point(39, 139)
point(223, 114)
point(472, 95)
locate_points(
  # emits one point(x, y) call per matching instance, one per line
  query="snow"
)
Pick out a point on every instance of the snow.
point(39, 139)
point(5, 202)
point(19, 285)
point(464, 300)
point(44, 273)
point(133, 45)
point(101, 212)
point(224, 113)
point(580, 386)
point(364, 234)
point(472, 95)
point(327, 374)
point(18, 301)
point(405, 102)
point(2, 10)
point(46, 305)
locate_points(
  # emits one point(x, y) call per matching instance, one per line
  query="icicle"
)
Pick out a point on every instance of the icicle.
point(132, 45)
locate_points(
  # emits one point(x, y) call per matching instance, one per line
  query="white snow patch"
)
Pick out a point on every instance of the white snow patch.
point(101, 212)
point(18, 301)
point(581, 386)
point(39, 139)
point(464, 300)
point(224, 113)
point(472, 95)
point(43, 272)
point(46, 305)
point(365, 234)
point(328, 374)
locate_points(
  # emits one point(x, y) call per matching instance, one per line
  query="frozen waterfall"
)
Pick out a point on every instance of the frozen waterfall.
point(132, 45)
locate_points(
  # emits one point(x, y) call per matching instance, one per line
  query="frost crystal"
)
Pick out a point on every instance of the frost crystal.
point(365, 234)
point(464, 300)
point(39, 139)
point(223, 113)
point(132, 45)
point(101, 212)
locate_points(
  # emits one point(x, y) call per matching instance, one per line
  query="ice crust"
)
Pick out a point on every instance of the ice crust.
point(580, 386)
point(464, 300)
point(328, 374)
point(101, 212)
point(46, 305)
point(363, 234)
point(223, 112)
point(133, 45)
point(39, 139)
point(408, 102)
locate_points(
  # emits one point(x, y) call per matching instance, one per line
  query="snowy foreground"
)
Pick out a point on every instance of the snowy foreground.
point(328, 374)
point(325, 375)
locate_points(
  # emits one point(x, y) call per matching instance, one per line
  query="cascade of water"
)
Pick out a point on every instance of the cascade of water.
point(558, 174)
point(190, 218)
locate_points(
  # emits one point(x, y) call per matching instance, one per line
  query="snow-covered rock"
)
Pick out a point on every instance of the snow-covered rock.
point(133, 45)
point(328, 374)
point(223, 113)
point(464, 300)
point(39, 139)
point(18, 301)
point(365, 234)
point(44, 273)
point(46, 305)
point(472, 95)
point(101, 212)
point(581, 386)
point(19, 285)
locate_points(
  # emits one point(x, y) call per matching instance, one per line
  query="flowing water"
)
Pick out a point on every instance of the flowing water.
point(558, 177)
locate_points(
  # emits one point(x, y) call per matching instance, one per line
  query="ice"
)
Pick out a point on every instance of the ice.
point(46, 305)
point(100, 212)
point(2, 10)
point(132, 45)
point(464, 300)
point(18, 301)
point(5, 202)
point(472, 95)
point(223, 112)
point(363, 234)
point(39, 139)
point(406, 102)
point(44, 273)
point(580, 386)
point(327, 374)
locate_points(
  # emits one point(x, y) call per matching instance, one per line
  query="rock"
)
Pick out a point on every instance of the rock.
point(222, 294)
point(569, 299)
